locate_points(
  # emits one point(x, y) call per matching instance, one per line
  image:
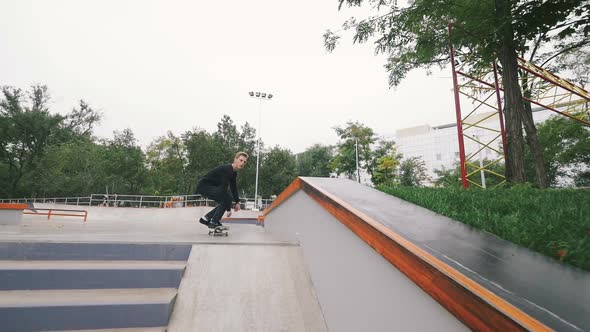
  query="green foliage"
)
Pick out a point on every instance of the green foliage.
point(125, 167)
point(448, 177)
point(416, 36)
point(44, 154)
point(412, 172)
point(167, 161)
point(378, 157)
point(75, 168)
point(553, 222)
point(27, 128)
point(315, 161)
point(385, 161)
point(345, 160)
point(451, 177)
point(277, 170)
point(566, 148)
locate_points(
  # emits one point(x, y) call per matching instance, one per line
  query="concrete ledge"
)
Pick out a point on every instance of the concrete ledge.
point(27, 311)
point(11, 214)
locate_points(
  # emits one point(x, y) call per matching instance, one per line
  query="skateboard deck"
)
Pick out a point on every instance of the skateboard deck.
point(219, 231)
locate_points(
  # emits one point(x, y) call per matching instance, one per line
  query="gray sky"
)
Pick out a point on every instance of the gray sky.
point(154, 66)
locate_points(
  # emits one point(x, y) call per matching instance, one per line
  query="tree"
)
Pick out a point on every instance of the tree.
point(75, 168)
point(315, 161)
point(279, 168)
point(167, 162)
point(345, 160)
point(125, 163)
point(81, 121)
point(416, 37)
point(27, 129)
point(385, 162)
point(566, 149)
point(412, 172)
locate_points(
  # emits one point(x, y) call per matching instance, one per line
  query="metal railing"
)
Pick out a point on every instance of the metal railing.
point(138, 201)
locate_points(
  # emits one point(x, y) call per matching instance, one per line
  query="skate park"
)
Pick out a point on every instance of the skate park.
point(327, 255)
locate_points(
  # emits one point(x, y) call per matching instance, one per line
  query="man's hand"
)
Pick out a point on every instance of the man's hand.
point(237, 206)
point(228, 214)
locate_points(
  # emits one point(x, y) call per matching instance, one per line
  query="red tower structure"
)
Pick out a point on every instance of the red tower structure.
point(482, 94)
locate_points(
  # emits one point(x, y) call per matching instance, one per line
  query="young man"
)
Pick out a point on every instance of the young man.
point(215, 186)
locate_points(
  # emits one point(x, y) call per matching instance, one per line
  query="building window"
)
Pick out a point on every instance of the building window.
point(438, 156)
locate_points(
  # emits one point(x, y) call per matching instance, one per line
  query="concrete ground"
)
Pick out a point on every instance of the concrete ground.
point(178, 225)
point(246, 288)
point(251, 280)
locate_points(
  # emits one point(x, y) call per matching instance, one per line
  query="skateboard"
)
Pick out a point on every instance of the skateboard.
point(219, 231)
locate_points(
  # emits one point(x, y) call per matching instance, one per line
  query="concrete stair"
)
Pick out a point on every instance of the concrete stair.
point(89, 286)
point(22, 275)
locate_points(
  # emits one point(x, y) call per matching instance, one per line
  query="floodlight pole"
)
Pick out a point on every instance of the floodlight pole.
point(260, 96)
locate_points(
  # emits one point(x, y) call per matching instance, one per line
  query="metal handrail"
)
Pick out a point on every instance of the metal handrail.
point(139, 201)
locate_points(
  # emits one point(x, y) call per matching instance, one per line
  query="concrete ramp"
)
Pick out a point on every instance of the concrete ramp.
point(398, 266)
point(233, 287)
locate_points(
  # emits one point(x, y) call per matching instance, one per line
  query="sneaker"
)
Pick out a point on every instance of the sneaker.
point(204, 221)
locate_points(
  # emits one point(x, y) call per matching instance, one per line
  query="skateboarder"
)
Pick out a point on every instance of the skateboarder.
point(215, 186)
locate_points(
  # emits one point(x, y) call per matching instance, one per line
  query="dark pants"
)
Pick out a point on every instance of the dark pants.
point(219, 195)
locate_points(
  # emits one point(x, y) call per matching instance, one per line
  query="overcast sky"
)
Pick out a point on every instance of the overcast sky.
point(154, 66)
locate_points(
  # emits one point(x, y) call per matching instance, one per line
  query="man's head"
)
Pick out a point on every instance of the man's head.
point(240, 160)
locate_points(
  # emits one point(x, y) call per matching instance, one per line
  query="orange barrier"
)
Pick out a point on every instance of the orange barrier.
point(50, 212)
point(12, 206)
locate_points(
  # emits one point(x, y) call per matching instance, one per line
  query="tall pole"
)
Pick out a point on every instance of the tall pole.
point(258, 151)
point(358, 174)
point(260, 96)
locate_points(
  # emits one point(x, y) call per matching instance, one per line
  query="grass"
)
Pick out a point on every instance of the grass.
point(554, 222)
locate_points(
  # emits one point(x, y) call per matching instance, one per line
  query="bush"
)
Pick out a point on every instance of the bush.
point(554, 222)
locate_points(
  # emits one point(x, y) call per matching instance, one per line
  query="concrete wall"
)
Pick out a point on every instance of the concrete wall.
point(358, 289)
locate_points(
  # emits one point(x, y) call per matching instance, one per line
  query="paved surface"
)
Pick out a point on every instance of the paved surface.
point(149, 230)
point(249, 281)
point(556, 294)
point(96, 213)
point(246, 288)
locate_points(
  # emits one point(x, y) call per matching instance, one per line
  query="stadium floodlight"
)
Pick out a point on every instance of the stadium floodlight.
point(260, 96)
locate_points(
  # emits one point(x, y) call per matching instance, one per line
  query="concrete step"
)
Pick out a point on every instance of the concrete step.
point(31, 275)
point(46, 310)
point(93, 251)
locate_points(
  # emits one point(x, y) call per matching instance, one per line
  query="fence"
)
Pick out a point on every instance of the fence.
point(139, 201)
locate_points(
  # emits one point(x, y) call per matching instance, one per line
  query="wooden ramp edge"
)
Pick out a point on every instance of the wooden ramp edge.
point(474, 305)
